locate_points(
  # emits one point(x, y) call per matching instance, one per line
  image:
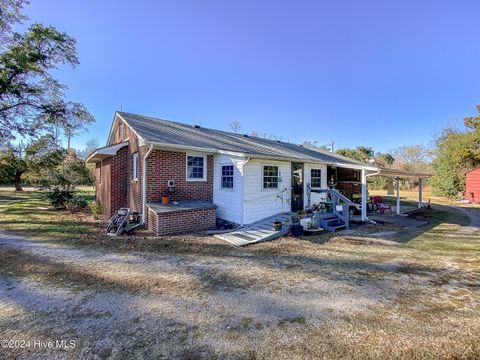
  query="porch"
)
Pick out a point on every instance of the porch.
point(181, 217)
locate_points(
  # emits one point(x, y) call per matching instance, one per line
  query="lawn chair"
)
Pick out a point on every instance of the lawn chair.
point(378, 200)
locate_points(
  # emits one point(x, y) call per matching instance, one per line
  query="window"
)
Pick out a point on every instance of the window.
point(270, 177)
point(135, 166)
point(195, 168)
point(227, 177)
point(100, 172)
point(316, 178)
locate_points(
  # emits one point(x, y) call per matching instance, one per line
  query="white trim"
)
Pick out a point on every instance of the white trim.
point(233, 176)
point(144, 185)
point(107, 151)
point(242, 196)
point(205, 166)
point(321, 177)
point(135, 166)
point(278, 178)
point(141, 140)
point(181, 148)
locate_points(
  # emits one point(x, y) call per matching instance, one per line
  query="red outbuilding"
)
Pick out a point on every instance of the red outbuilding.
point(472, 185)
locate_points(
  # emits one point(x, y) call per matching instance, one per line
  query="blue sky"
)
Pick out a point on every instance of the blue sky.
point(375, 73)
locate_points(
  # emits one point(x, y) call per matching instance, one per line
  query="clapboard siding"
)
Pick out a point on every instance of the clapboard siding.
point(260, 203)
point(315, 198)
point(228, 201)
point(472, 185)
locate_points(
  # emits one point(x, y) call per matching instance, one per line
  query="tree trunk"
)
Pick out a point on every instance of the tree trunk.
point(390, 187)
point(18, 181)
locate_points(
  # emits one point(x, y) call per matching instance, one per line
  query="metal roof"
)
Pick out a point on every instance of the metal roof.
point(164, 132)
point(403, 173)
point(105, 152)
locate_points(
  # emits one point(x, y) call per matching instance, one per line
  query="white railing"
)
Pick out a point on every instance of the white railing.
point(338, 200)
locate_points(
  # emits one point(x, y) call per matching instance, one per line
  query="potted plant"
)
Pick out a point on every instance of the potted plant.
point(165, 199)
point(277, 225)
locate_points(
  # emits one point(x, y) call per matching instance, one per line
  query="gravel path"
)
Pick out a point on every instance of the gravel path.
point(136, 305)
point(215, 298)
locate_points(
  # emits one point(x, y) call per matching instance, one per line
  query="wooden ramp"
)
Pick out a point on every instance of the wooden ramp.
point(258, 231)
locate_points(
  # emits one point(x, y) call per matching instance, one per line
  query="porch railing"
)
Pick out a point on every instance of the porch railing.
point(338, 200)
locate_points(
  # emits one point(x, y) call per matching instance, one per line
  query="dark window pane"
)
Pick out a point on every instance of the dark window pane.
point(227, 177)
point(195, 168)
point(270, 177)
point(316, 178)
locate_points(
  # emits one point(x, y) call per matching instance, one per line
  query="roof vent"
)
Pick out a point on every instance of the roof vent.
point(300, 145)
point(278, 141)
point(196, 126)
point(245, 135)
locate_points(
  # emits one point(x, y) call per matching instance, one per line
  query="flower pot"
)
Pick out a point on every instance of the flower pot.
point(165, 200)
point(277, 225)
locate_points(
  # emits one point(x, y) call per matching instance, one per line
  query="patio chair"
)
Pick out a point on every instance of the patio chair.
point(378, 200)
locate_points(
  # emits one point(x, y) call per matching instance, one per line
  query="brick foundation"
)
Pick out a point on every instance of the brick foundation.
point(181, 222)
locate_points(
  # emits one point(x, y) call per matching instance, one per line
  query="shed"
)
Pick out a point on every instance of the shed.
point(472, 185)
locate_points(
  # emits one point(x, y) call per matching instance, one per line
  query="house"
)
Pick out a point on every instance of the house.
point(210, 174)
point(472, 185)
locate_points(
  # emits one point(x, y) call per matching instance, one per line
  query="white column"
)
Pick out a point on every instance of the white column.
point(364, 195)
point(420, 193)
point(398, 195)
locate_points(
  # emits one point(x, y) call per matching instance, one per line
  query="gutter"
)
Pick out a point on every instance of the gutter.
point(364, 194)
point(243, 189)
point(144, 184)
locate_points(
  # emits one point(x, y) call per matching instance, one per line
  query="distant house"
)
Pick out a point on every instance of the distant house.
point(211, 174)
point(472, 185)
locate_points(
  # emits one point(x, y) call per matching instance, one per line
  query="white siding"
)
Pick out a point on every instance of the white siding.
point(228, 201)
point(315, 198)
point(260, 203)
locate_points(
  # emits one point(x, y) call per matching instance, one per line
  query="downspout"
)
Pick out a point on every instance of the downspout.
point(243, 189)
point(364, 193)
point(144, 184)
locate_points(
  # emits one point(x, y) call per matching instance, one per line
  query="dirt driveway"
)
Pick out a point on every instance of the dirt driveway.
point(284, 299)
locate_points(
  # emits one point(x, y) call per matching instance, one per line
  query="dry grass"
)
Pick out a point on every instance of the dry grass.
point(377, 293)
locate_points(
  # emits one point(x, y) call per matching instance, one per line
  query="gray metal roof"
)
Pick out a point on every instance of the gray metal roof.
point(159, 131)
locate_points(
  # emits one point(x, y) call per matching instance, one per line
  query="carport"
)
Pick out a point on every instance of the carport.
point(397, 175)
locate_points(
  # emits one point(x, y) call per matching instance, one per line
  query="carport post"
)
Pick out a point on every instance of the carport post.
point(364, 195)
point(398, 195)
point(420, 191)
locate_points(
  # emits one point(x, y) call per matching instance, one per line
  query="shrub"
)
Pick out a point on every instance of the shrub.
point(96, 209)
point(58, 190)
point(76, 202)
point(59, 197)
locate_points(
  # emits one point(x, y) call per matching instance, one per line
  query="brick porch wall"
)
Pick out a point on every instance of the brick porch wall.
point(174, 223)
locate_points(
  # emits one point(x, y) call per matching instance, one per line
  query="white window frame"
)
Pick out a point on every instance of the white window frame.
point(101, 172)
point(278, 177)
point(205, 165)
point(221, 176)
point(135, 166)
point(321, 175)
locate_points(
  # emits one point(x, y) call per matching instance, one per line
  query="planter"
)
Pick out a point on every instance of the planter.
point(296, 230)
point(165, 200)
point(277, 225)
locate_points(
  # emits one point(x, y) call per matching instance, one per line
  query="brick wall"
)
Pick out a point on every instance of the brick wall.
point(118, 186)
point(181, 222)
point(164, 165)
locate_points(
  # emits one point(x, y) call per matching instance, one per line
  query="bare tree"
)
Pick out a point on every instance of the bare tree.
point(235, 126)
point(411, 157)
